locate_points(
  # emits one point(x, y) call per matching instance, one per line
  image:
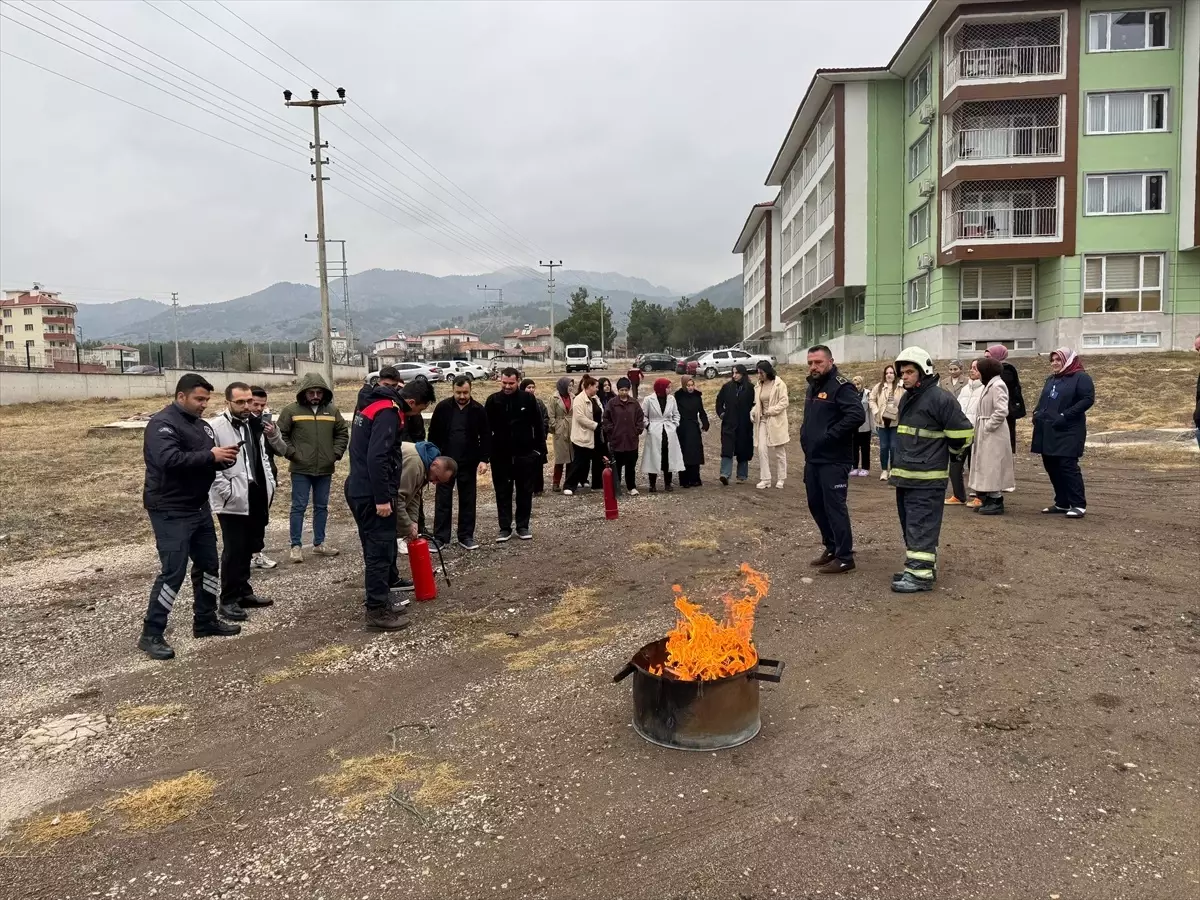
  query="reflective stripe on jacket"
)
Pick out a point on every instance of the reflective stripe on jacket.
point(930, 427)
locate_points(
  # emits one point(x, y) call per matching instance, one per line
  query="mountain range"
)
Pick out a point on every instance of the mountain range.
point(382, 301)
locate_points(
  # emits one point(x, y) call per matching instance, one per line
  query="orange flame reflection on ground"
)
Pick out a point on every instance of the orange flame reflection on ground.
point(699, 648)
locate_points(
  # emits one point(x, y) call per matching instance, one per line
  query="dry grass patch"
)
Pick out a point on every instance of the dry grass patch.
point(58, 827)
point(496, 640)
point(534, 657)
point(577, 605)
point(699, 544)
point(166, 801)
point(650, 550)
point(134, 715)
point(362, 779)
point(306, 663)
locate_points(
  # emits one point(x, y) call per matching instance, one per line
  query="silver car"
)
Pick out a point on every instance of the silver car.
point(721, 362)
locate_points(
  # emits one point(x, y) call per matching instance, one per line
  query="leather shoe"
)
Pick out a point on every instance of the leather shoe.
point(821, 560)
point(155, 646)
point(386, 619)
point(214, 627)
point(255, 602)
point(836, 567)
point(233, 612)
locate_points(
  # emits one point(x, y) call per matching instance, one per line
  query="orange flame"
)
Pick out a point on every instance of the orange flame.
point(699, 648)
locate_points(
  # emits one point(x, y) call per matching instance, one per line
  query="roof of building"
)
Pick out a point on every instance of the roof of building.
point(448, 332)
point(540, 331)
point(478, 345)
point(119, 347)
point(757, 211)
point(25, 298)
point(398, 336)
point(534, 350)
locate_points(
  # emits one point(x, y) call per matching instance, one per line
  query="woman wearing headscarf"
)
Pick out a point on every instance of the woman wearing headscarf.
point(770, 417)
point(693, 422)
point(1060, 430)
point(560, 424)
point(885, 413)
point(862, 438)
point(992, 470)
point(660, 454)
point(735, 404)
point(604, 393)
point(1016, 399)
point(539, 480)
point(956, 378)
point(586, 416)
point(968, 400)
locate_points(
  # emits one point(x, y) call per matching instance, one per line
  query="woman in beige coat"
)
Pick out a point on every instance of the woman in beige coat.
point(770, 420)
point(560, 429)
point(992, 470)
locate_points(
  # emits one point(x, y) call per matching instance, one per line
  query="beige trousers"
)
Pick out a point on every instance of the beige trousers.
point(771, 459)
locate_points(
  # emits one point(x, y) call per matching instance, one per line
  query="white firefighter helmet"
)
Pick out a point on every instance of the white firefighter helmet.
point(917, 357)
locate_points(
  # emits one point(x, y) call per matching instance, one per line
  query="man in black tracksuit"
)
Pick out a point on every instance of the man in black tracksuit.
point(832, 414)
point(459, 427)
point(181, 463)
point(518, 439)
point(373, 481)
point(931, 427)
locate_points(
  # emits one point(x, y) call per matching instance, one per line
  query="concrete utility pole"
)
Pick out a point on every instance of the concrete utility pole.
point(345, 295)
point(552, 265)
point(326, 325)
point(601, 300)
point(175, 316)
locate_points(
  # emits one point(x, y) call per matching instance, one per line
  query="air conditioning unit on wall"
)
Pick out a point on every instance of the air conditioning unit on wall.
point(925, 261)
point(927, 188)
point(927, 113)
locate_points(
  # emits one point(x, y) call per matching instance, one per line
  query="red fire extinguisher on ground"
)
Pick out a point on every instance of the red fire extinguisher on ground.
point(421, 565)
point(610, 491)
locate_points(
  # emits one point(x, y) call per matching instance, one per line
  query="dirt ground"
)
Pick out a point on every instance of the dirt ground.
point(1031, 729)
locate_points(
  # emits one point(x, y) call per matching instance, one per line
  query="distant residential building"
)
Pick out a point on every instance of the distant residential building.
point(118, 357)
point(396, 341)
point(37, 325)
point(433, 341)
point(338, 344)
point(534, 352)
point(759, 246)
point(522, 338)
point(478, 350)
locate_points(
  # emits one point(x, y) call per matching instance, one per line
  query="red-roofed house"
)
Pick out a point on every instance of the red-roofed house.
point(477, 350)
point(37, 326)
point(529, 335)
point(432, 341)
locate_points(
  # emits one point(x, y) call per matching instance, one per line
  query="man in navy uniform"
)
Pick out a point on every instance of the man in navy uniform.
point(181, 464)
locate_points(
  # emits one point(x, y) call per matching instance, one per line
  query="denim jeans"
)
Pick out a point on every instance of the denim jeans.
point(743, 467)
point(887, 440)
point(301, 485)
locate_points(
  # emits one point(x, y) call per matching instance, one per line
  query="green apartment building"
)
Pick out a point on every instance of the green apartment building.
point(1020, 172)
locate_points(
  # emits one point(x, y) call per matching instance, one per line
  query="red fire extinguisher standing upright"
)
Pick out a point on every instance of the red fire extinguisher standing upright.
point(610, 491)
point(421, 564)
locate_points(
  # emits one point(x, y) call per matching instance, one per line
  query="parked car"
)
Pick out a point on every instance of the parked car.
point(577, 358)
point(721, 362)
point(687, 365)
point(597, 364)
point(452, 368)
point(421, 371)
point(142, 370)
point(656, 362)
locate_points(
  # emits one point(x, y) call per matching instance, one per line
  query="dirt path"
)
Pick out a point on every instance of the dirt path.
point(1031, 729)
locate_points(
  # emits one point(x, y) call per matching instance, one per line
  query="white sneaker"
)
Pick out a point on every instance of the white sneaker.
point(262, 561)
point(763, 485)
point(884, 476)
point(568, 493)
point(779, 484)
point(633, 492)
point(402, 547)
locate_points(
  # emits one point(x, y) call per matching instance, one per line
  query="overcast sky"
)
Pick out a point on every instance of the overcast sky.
point(617, 136)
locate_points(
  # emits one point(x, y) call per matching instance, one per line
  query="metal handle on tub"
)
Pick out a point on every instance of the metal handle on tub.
point(624, 673)
point(773, 677)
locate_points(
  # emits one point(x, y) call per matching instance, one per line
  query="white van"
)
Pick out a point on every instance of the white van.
point(578, 357)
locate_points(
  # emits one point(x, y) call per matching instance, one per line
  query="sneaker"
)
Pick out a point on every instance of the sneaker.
point(633, 492)
point(993, 506)
point(402, 547)
point(385, 619)
point(854, 473)
point(725, 480)
point(403, 586)
point(865, 473)
point(742, 480)
point(233, 612)
point(524, 533)
point(974, 503)
point(952, 501)
point(503, 537)
point(155, 646)
point(670, 487)
point(779, 485)
point(1053, 510)
point(438, 544)
point(884, 475)
point(262, 561)
point(763, 485)
point(911, 584)
point(214, 627)
point(825, 557)
point(255, 602)
point(568, 493)
point(325, 550)
point(836, 567)
point(296, 555)
point(1076, 512)
point(556, 488)
point(468, 543)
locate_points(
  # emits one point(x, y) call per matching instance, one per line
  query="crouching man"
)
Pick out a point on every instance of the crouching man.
point(421, 464)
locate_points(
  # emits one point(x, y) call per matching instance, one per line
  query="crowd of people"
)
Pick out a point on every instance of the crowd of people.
point(933, 434)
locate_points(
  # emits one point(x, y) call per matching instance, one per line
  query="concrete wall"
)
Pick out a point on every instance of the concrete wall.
point(39, 387)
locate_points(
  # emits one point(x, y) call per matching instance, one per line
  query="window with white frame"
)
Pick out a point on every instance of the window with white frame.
point(1115, 30)
point(1125, 193)
point(860, 308)
point(1126, 112)
point(918, 226)
point(918, 87)
point(918, 156)
point(839, 315)
point(1128, 339)
point(1123, 283)
point(996, 292)
point(918, 294)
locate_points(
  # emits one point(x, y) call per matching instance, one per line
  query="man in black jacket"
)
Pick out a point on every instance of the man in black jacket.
point(373, 481)
point(389, 376)
point(832, 413)
point(517, 441)
point(181, 463)
point(460, 429)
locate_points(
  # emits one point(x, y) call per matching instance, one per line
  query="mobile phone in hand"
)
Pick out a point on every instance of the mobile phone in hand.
point(268, 417)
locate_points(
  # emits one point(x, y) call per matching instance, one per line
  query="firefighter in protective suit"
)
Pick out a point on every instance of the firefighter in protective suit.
point(930, 429)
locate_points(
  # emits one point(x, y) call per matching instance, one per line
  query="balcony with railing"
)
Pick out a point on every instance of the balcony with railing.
point(1008, 212)
point(59, 337)
point(1003, 131)
point(59, 320)
point(987, 51)
point(809, 162)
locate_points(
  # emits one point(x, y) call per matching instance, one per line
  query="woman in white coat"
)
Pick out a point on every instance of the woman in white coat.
point(770, 418)
point(661, 453)
point(992, 470)
point(968, 399)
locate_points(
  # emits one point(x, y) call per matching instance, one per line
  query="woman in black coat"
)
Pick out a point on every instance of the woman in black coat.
point(693, 422)
point(1060, 430)
point(735, 402)
point(1012, 381)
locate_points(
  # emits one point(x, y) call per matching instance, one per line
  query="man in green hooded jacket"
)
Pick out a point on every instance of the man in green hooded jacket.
point(316, 436)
